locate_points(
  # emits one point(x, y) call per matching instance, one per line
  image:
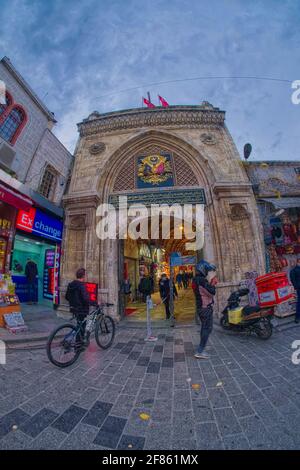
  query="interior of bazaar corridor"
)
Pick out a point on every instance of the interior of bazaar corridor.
point(152, 258)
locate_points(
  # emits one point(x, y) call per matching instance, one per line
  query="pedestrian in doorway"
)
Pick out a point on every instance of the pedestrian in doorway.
point(31, 273)
point(295, 280)
point(164, 290)
point(204, 291)
point(79, 301)
point(146, 286)
point(185, 280)
point(179, 280)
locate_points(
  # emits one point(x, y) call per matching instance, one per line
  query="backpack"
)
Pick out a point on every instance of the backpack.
point(145, 286)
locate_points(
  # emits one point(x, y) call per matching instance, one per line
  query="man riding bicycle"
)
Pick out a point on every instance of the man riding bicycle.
point(79, 301)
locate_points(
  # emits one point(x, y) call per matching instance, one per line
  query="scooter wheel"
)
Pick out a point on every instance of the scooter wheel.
point(264, 329)
point(224, 323)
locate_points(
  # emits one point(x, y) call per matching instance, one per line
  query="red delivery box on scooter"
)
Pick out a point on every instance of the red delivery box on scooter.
point(273, 289)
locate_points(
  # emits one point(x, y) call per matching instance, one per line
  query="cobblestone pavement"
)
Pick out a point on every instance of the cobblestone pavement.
point(246, 396)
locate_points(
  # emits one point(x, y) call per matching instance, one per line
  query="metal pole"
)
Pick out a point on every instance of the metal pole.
point(149, 306)
point(172, 319)
point(149, 330)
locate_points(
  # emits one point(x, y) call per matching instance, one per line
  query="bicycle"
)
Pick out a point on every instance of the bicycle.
point(69, 342)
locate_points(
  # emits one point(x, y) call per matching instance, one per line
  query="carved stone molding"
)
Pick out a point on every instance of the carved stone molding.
point(175, 116)
point(97, 148)
point(237, 190)
point(77, 222)
point(80, 200)
point(238, 212)
point(208, 139)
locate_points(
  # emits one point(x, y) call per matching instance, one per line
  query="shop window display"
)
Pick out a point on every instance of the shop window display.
point(282, 238)
point(45, 256)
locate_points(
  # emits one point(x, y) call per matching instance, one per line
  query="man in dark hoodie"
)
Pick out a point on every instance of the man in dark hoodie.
point(295, 280)
point(31, 273)
point(164, 290)
point(204, 292)
point(79, 300)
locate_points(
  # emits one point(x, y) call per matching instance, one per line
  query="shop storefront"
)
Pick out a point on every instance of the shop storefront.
point(281, 223)
point(38, 240)
point(10, 202)
point(131, 270)
point(141, 259)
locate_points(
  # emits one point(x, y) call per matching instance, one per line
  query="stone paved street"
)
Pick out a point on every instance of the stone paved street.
point(246, 396)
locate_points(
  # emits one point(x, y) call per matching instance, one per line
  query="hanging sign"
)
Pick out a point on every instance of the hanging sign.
point(39, 223)
point(182, 260)
point(92, 290)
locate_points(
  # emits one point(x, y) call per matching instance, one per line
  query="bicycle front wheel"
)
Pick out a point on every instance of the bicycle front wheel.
point(61, 348)
point(105, 331)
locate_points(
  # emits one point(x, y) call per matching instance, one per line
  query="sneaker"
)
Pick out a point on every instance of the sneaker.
point(151, 338)
point(202, 355)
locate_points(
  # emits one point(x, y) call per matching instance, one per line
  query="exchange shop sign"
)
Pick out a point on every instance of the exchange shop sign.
point(39, 223)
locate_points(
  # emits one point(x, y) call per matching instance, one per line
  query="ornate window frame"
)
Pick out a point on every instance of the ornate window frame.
point(47, 188)
point(3, 117)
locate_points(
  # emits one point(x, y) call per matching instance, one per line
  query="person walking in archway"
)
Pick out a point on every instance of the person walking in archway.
point(179, 280)
point(164, 290)
point(185, 280)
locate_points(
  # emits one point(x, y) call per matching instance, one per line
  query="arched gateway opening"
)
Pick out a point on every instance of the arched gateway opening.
point(158, 170)
point(177, 155)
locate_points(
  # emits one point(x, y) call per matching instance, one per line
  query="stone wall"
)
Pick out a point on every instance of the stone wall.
point(34, 129)
point(50, 152)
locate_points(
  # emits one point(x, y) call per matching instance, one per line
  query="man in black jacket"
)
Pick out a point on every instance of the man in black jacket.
point(79, 300)
point(31, 273)
point(204, 307)
point(164, 290)
point(295, 280)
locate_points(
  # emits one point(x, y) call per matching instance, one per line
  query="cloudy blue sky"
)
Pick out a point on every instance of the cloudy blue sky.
point(78, 55)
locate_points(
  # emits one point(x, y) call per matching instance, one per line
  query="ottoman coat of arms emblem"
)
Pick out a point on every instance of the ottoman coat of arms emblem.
point(155, 170)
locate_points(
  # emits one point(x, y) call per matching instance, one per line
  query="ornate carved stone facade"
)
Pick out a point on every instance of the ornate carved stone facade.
point(203, 156)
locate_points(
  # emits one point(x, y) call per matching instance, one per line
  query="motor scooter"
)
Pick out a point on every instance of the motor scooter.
point(252, 319)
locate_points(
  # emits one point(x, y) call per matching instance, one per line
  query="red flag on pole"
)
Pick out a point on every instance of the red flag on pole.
point(163, 102)
point(148, 103)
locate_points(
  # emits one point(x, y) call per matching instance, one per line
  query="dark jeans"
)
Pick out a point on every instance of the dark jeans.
point(32, 291)
point(167, 307)
point(206, 318)
point(298, 305)
point(81, 333)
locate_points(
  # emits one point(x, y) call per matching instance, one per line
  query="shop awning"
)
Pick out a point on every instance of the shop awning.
point(15, 199)
point(283, 202)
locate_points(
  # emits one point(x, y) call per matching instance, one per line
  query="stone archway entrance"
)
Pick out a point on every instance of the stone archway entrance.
point(198, 153)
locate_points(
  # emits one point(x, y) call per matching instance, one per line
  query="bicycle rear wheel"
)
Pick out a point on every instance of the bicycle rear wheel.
point(61, 347)
point(105, 331)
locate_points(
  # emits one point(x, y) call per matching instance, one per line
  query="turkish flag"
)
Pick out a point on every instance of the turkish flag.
point(148, 103)
point(164, 103)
